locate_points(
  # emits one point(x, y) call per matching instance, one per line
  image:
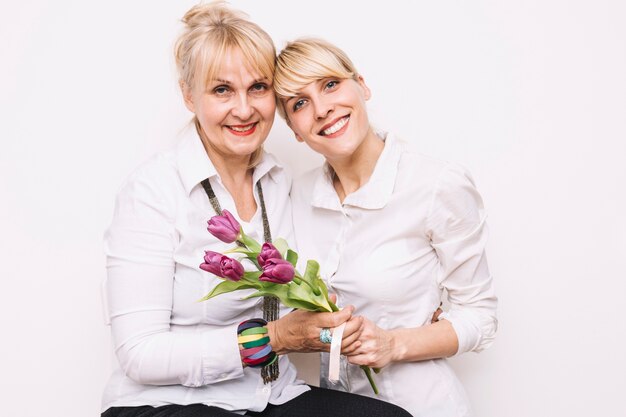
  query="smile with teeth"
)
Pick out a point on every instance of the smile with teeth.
point(336, 126)
point(243, 128)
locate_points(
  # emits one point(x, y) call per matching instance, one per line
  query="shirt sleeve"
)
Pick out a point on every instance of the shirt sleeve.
point(139, 246)
point(458, 233)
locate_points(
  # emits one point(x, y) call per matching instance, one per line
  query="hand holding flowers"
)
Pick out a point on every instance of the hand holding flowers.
point(275, 275)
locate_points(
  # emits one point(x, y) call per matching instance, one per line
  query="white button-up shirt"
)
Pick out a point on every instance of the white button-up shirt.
point(415, 228)
point(170, 347)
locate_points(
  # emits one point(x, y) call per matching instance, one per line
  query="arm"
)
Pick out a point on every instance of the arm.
point(140, 289)
point(378, 347)
point(458, 235)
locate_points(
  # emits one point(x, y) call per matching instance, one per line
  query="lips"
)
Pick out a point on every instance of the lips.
point(242, 130)
point(336, 127)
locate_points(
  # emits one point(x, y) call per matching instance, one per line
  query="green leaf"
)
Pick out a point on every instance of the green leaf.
point(252, 277)
point(282, 246)
point(226, 287)
point(250, 243)
point(311, 271)
point(282, 293)
point(292, 257)
point(311, 274)
point(239, 249)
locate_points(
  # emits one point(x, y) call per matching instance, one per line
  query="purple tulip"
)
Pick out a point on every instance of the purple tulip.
point(231, 269)
point(268, 251)
point(222, 266)
point(212, 263)
point(224, 227)
point(277, 271)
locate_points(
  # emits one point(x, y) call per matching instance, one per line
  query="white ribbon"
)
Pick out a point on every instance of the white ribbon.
point(335, 353)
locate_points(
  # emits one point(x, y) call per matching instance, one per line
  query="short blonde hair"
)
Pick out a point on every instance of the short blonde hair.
point(211, 31)
point(307, 60)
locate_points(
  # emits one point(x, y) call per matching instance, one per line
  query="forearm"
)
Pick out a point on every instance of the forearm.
point(190, 359)
point(432, 341)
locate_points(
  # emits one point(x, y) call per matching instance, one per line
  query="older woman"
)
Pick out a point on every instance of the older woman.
point(178, 357)
point(392, 229)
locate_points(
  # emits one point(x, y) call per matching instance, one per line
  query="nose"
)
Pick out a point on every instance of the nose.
point(322, 108)
point(242, 107)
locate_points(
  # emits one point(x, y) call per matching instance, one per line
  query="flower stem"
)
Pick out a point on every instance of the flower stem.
point(297, 279)
point(368, 374)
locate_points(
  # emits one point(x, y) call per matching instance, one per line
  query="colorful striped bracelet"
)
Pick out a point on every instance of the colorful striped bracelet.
point(254, 341)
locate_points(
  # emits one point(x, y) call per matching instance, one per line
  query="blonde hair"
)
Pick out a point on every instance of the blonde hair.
point(211, 31)
point(307, 60)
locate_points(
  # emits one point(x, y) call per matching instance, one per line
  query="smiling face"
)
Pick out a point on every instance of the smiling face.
point(330, 116)
point(235, 110)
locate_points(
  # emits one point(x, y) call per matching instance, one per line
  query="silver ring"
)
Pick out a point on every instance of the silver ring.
point(325, 336)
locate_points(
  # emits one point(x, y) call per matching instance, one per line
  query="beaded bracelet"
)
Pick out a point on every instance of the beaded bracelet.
point(253, 338)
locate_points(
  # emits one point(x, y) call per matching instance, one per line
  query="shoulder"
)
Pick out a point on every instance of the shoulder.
point(304, 184)
point(414, 164)
point(280, 173)
point(154, 182)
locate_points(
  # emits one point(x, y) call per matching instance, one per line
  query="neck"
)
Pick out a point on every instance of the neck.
point(354, 171)
point(236, 176)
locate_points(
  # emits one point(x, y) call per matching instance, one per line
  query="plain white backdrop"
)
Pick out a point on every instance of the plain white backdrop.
point(530, 95)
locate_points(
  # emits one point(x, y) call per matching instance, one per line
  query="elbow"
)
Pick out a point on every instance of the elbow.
point(475, 330)
point(486, 334)
point(139, 364)
point(131, 364)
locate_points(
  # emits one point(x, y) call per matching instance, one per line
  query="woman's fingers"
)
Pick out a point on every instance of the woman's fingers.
point(436, 314)
point(352, 332)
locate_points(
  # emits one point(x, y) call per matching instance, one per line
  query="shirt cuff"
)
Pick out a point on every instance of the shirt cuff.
point(221, 360)
point(473, 333)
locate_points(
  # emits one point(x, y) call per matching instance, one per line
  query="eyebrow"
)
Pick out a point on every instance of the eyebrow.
point(256, 81)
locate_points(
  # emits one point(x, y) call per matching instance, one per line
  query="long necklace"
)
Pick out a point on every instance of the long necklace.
point(270, 304)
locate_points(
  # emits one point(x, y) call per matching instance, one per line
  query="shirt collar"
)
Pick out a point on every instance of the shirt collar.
point(194, 165)
point(375, 194)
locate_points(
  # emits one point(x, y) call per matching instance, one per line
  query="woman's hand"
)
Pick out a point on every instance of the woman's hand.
point(299, 331)
point(375, 347)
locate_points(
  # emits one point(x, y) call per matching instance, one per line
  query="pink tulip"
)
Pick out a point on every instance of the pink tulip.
point(212, 263)
point(224, 227)
point(268, 251)
point(277, 271)
point(222, 266)
point(231, 269)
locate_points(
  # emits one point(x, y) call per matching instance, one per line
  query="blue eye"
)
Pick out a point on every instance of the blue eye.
point(298, 104)
point(221, 90)
point(259, 88)
point(331, 84)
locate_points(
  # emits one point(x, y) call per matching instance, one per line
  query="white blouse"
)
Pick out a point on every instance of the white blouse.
point(415, 229)
point(171, 348)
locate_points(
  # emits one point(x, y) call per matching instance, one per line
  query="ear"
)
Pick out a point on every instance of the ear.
point(187, 96)
point(299, 138)
point(366, 90)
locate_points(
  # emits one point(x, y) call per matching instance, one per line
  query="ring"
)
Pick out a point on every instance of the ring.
point(325, 336)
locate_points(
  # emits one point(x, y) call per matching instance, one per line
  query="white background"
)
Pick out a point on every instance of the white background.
point(530, 95)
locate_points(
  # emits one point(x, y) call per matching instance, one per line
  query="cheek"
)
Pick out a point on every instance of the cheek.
point(298, 123)
point(267, 107)
point(212, 114)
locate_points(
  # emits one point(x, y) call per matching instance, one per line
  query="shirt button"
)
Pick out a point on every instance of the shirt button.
point(266, 390)
point(223, 376)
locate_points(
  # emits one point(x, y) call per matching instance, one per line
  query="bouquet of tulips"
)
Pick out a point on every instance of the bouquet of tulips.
point(275, 273)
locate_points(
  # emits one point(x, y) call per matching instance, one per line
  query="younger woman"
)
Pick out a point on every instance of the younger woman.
point(392, 230)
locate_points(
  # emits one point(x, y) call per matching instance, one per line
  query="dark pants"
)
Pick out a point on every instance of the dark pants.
point(315, 403)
